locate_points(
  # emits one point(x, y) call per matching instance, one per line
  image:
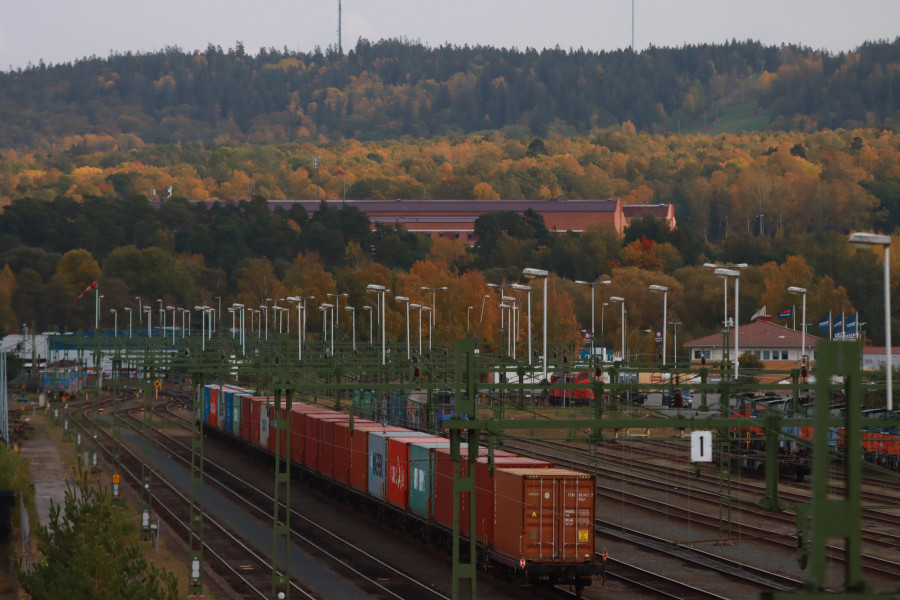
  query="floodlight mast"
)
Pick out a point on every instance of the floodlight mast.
point(541, 274)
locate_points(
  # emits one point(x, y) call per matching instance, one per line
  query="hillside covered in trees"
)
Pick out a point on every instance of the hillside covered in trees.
point(84, 146)
point(396, 88)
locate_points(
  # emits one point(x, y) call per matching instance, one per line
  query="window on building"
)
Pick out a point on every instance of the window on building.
point(784, 355)
point(698, 354)
point(765, 355)
point(756, 353)
point(707, 354)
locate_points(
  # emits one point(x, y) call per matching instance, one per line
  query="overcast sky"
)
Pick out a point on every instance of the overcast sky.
point(62, 31)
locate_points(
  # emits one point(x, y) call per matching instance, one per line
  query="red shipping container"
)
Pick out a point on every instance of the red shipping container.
point(342, 450)
point(245, 419)
point(359, 452)
point(544, 515)
point(325, 443)
point(213, 408)
point(398, 467)
point(298, 428)
point(257, 406)
point(443, 485)
point(296, 434)
point(310, 427)
point(484, 490)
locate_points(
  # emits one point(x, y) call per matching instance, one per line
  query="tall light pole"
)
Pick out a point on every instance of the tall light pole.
point(352, 310)
point(129, 310)
point(509, 302)
point(327, 307)
point(468, 309)
point(603, 306)
point(800, 290)
point(433, 306)
point(481, 317)
point(665, 291)
point(149, 312)
point(406, 300)
point(337, 307)
point(592, 285)
point(675, 325)
point(368, 309)
point(726, 273)
point(299, 302)
point(428, 309)
point(265, 309)
point(725, 300)
point(419, 306)
point(622, 300)
point(869, 240)
point(203, 310)
point(172, 308)
point(526, 288)
point(380, 290)
point(240, 308)
point(541, 274)
point(115, 322)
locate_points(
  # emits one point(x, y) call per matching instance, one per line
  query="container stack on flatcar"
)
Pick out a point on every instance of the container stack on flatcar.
point(532, 519)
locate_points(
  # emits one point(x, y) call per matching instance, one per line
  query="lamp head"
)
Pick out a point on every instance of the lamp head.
point(867, 240)
point(535, 273)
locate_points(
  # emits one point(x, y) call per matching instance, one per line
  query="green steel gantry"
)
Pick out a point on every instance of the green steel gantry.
point(270, 367)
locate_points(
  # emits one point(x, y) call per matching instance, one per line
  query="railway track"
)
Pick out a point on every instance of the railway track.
point(371, 573)
point(663, 481)
point(242, 568)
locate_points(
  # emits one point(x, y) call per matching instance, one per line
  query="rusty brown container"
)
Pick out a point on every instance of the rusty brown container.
point(544, 515)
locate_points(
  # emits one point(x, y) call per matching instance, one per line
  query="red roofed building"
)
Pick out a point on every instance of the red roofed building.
point(776, 346)
point(455, 219)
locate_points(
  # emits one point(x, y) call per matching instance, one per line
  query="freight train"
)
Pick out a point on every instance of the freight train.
point(532, 519)
point(880, 444)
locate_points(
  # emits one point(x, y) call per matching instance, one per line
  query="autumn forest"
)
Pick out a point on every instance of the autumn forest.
point(770, 156)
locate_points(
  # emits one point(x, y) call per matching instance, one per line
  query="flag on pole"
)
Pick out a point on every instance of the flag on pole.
point(760, 313)
point(86, 290)
point(787, 313)
point(825, 323)
point(837, 327)
point(851, 327)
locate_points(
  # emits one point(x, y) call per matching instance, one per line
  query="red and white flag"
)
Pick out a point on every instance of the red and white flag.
point(86, 290)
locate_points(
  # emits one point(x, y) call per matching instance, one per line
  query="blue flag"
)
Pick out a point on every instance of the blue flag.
point(837, 327)
point(824, 322)
point(851, 327)
point(786, 313)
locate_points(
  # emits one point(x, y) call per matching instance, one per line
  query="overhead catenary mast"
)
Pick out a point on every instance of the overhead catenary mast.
point(340, 47)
